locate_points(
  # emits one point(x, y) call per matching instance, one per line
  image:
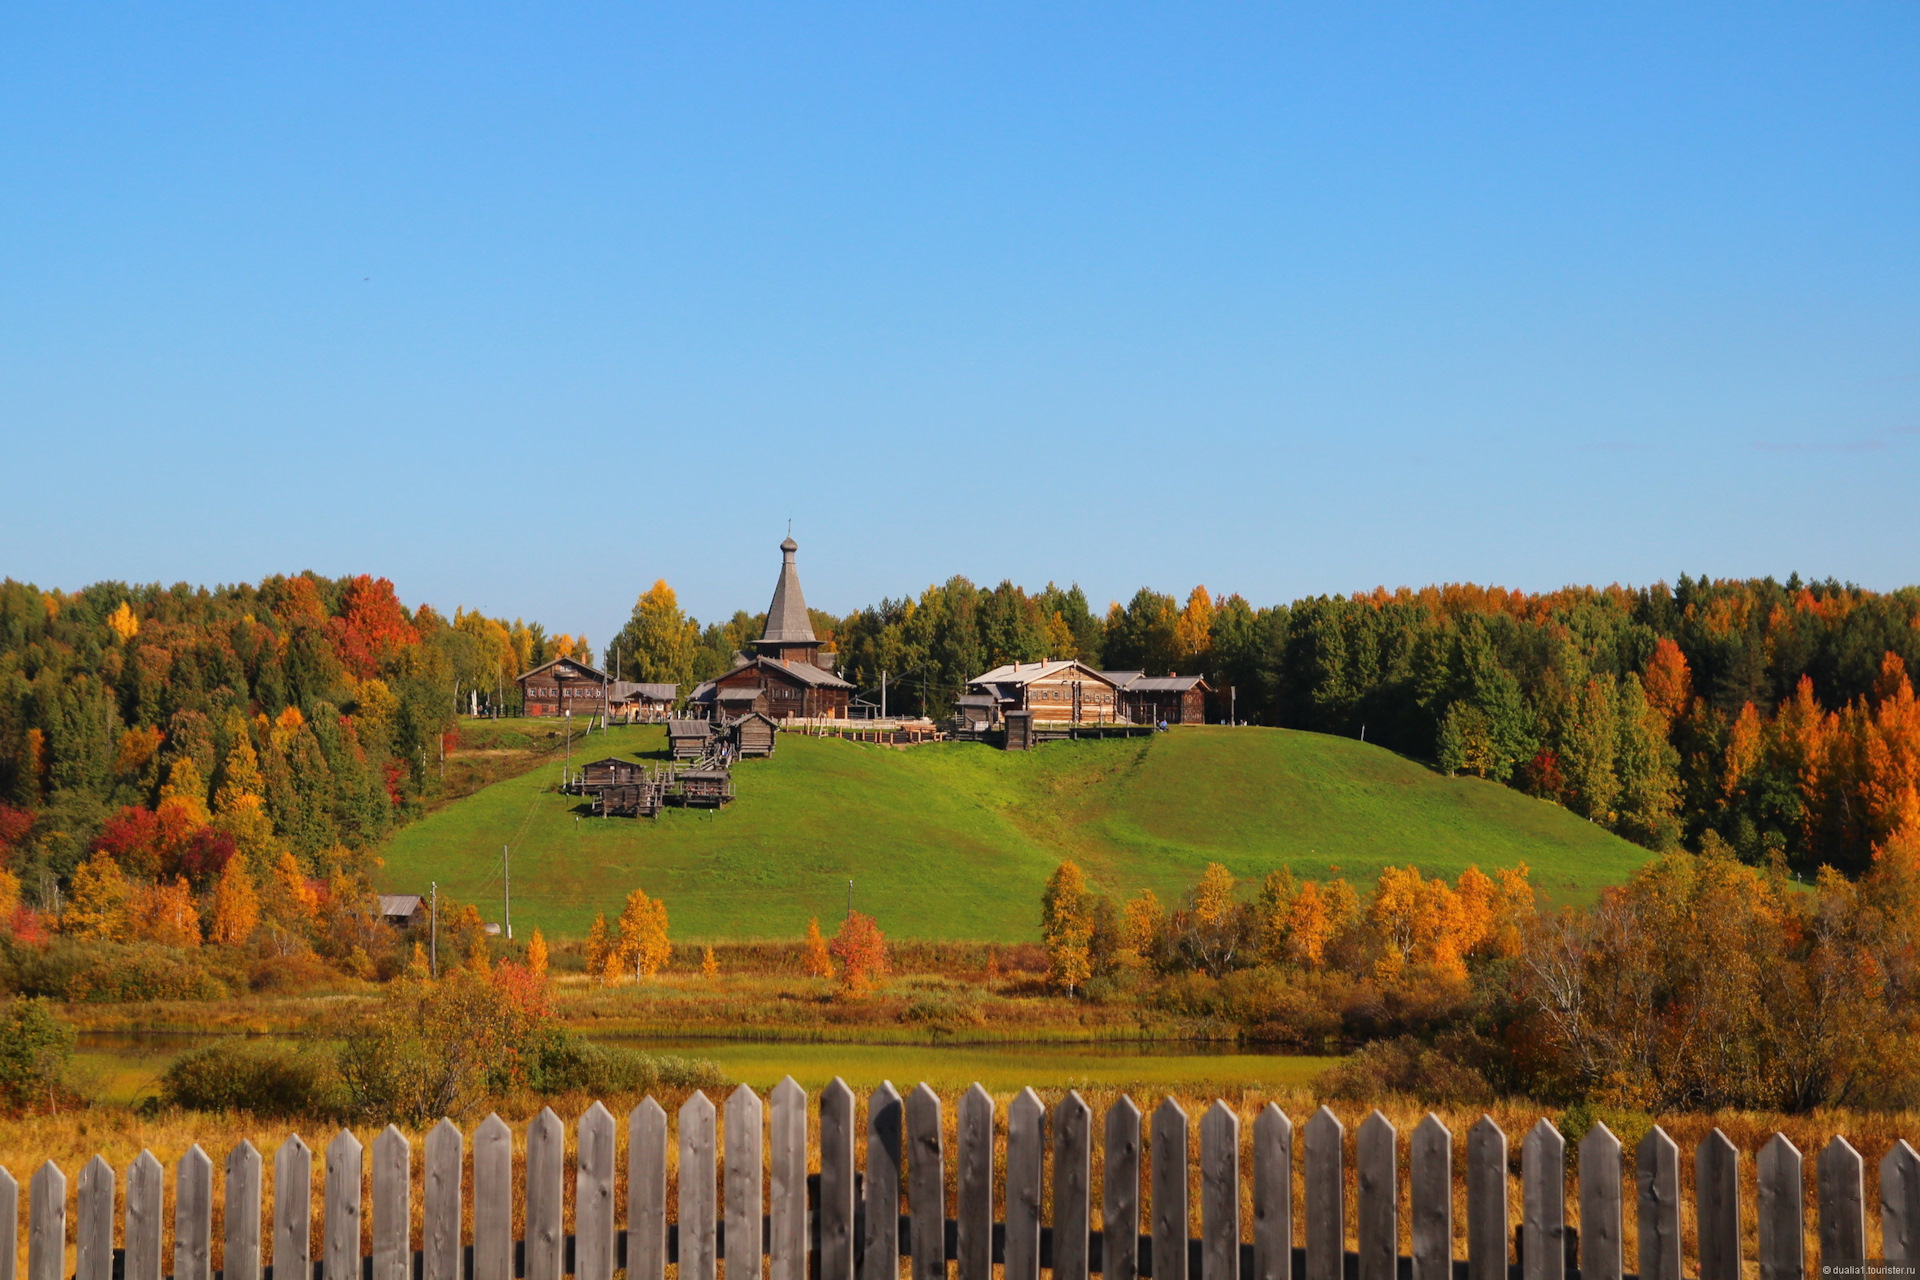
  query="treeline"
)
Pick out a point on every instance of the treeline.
point(177, 728)
point(1774, 718)
point(1701, 984)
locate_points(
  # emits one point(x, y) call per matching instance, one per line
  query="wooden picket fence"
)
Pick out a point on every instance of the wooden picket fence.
point(831, 1225)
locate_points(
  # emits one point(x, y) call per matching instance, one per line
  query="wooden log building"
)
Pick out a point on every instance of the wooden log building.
point(1064, 691)
point(642, 700)
point(563, 685)
point(790, 673)
point(754, 735)
point(1170, 699)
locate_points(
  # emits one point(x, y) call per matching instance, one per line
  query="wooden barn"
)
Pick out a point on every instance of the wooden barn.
point(611, 772)
point(1062, 691)
point(1170, 699)
point(754, 735)
point(790, 672)
point(563, 685)
point(642, 701)
point(688, 739)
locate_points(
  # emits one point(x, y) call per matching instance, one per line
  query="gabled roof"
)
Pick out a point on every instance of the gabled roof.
point(399, 904)
point(1123, 679)
point(688, 728)
point(1017, 674)
point(624, 764)
point(732, 694)
point(787, 620)
point(575, 663)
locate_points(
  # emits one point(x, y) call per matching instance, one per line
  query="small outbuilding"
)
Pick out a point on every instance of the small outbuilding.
point(403, 910)
point(688, 739)
point(1168, 699)
point(754, 735)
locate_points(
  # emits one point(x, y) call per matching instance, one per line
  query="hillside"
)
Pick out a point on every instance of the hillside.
point(956, 840)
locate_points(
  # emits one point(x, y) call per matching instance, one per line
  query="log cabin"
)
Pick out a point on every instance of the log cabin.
point(1170, 699)
point(688, 739)
point(1059, 691)
point(754, 735)
point(790, 672)
point(563, 685)
point(642, 701)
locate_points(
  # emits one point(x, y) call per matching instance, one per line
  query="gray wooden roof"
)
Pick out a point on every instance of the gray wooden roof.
point(787, 620)
point(1166, 684)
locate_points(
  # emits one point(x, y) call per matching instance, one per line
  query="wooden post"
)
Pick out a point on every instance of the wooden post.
point(593, 1249)
point(1782, 1211)
point(1219, 1188)
point(241, 1219)
point(193, 1216)
point(789, 1185)
point(647, 1191)
point(1026, 1152)
point(1487, 1208)
point(1843, 1211)
point(836, 1181)
point(1543, 1198)
point(697, 1173)
point(293, 1209)
point(1273, 1195)
point(746, 1147)
point(1072, 1187)
point(880, 1259)
point(93, 1232)
point(1657, 1173)
point(1716, 1199)
point(974, 1250)
point(146, 1197)
point(1377, 1158)
point(442, 1219)
point(1601, 1219)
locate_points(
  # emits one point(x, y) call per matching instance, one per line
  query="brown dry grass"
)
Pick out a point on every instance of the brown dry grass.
point(119, 1135)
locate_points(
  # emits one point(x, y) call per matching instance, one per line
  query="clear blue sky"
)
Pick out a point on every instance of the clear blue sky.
point(527, 307)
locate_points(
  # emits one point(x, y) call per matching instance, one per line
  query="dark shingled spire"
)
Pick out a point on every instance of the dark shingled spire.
point(787, 620)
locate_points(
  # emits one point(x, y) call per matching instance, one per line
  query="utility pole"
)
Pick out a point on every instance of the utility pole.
point(883, 693)
point(433, 932)
point(1233, 705)
point(506, 873)
point(849, 897)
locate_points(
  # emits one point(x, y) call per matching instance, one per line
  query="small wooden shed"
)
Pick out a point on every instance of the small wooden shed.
point(687, 739)
point(611, 772)
point(755, 735)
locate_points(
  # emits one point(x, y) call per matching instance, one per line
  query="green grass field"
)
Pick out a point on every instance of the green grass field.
point(955, 840)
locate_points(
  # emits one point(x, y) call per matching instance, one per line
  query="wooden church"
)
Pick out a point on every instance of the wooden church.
point(789, 674)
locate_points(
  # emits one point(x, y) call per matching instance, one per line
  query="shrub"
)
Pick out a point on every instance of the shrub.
point(265, 1079)
point(1409, 1067)
point(1578, 1120)
point(35, 1051)
point(564, 1063)
point(109, 972)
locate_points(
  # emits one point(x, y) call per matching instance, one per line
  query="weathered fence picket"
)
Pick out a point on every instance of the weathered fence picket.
point(1120, 1192)
point(240, 1215)
point(926, 1184)
point(1168, 1156)
point(146, 1198)
point(1272, 1195)
point(843, 1228)
point(193, 1216)
point(1430, 1180)
point(880, 1256)
point(1072, 1188)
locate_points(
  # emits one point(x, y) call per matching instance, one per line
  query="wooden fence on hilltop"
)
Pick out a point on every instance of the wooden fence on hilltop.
point(829, 1224)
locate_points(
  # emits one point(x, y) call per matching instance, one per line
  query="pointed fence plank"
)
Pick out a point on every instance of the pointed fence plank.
point(47, 1223)
point(881, 1259)
point(441, 1217)
point(974, 1236)
point(647, 1191)
point(746, 1151)
point(1657, 1208)
point(1716, 1200)
point(93, 1225)
point(789, 1182)
point(1168, 1155)
point(1026, 1152)
point(492, 1200)
point(1543, 1203)
point(146, 1198)
point(1120, 1192)
point(392, 1206)
point(1602, 1217)
point(1325, 1156)
point(9, 1226)
point(836, 1181)
point(293, 1209)
point(1488, 1211)
point(697, 1189)
point(1430, 1184)
point(927, 1184)
point(1220, 1193)
point(1900, 1204)
point(546, 1193)
point(1843, 1209)
point(1272, 1195)
point(593, 1214)
point(1072, 1188)
point(240, 1216)
point(193, 1216)
point(1376, 1160)
point(340, 1257)
point(1782, 1211)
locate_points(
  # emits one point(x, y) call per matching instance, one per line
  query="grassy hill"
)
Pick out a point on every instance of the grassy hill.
point(955, 840)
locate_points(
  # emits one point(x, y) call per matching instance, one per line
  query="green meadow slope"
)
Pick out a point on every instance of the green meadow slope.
point(955, 840)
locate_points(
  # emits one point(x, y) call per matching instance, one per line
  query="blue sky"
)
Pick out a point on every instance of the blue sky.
point(527, 307)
